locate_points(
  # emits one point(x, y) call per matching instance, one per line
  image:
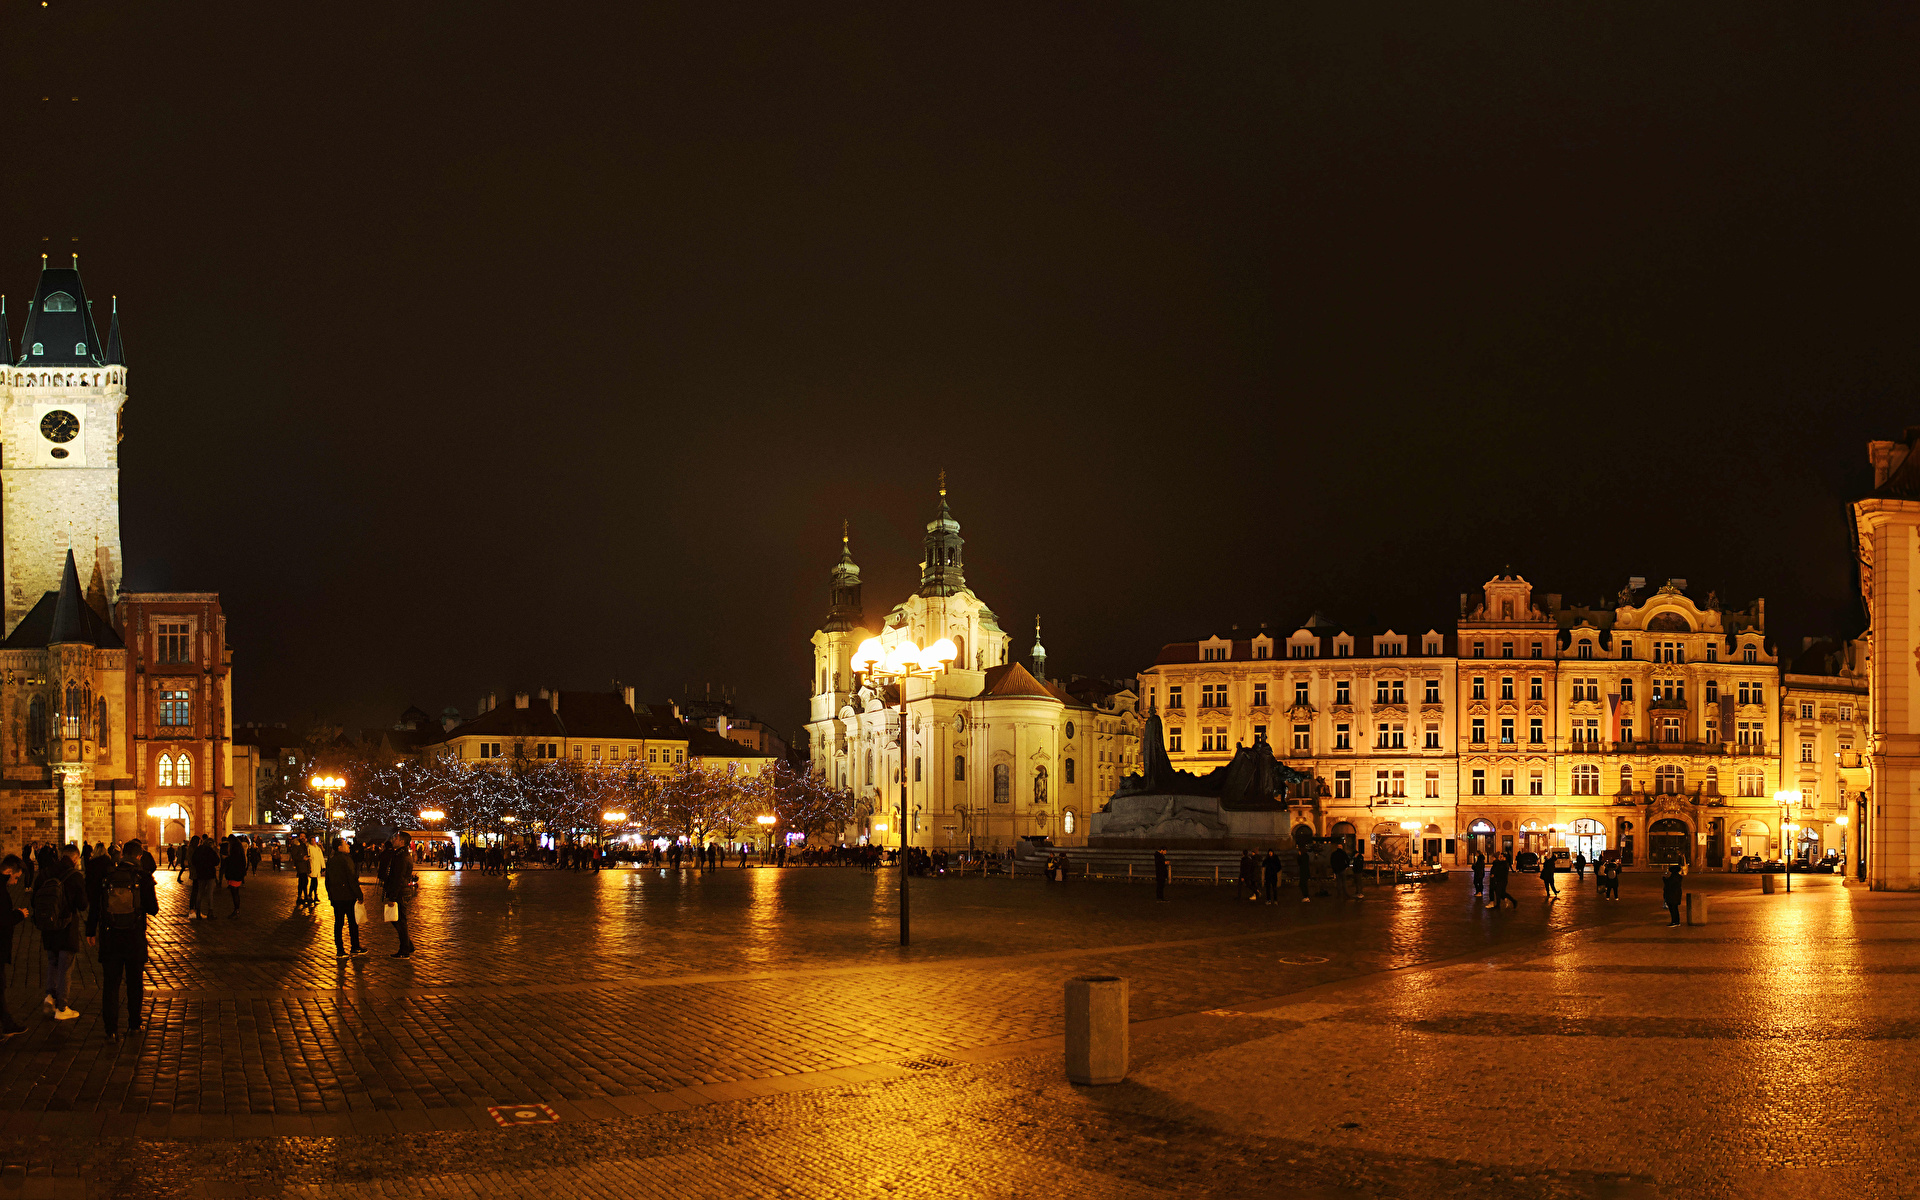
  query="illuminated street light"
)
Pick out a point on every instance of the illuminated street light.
point(903, 662)
point(433, 814)
point(614, 817)
point(1787, 798)
point(768, 819)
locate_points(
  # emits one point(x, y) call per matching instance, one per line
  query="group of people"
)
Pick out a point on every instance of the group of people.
point(74, 895)
point(1262, 876)
point(339, 870)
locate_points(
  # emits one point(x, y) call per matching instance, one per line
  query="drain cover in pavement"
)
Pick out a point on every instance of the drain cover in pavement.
point(523, 1114)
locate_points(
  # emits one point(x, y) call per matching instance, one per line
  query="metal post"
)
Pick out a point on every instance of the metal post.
point(903, 811)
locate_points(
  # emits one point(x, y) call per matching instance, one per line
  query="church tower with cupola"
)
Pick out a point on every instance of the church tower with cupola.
point(61, 397)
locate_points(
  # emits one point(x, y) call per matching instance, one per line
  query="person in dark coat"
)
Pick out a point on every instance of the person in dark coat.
point(396, 883)
point(1270, 870)
point(1249, 876)
point(233, 870)
point(1162, 874)
point(1497, 885)
point(203, 867)
point(16, 912)
point(1337, 863)
point(62, 944)
point(1479, 873)
point(121, 938)
point(1548, 864)
point(1670, 893)
point(343, 892)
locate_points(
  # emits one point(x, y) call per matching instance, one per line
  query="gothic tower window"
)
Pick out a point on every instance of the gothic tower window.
point(37, 724)
point(75, 712)
point(100, 722)
point(163, 775)
point(183, 769)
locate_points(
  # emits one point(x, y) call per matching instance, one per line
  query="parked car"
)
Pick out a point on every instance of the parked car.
point(1526, 860)
point(1753, 864)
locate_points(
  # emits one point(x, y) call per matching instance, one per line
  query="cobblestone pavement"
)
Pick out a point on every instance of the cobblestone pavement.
point(757, 1032)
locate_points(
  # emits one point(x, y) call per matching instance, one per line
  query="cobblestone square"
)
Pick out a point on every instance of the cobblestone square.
point(759, 1032)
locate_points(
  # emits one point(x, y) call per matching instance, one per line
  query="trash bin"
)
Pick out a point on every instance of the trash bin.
point(1766, 885)
point(1696, 908)
point(1096, 1029)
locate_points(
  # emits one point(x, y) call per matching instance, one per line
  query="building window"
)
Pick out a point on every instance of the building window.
point(1713, 691)
point(183, 770)
point(1506, 782)
point(1301, 651)
point(1213, 695)
point(1433, 691)
point(1433, 785)
point(868, 765)
point(1626, 777)
point(1479, 729)
point(1303, 737)
point(173, 643)
point(1259, 695)
point(1667, 780)
point(1174, 733)
point(37, 350)
point(1343, 691)
point(1584, 649)
point(1002, 783)
point(1433, 649)
point(1263, 651)
point(1626, 648)
point(1536, 731)
point(1586, 780)
point(1379, 783)
point(1213, 738)
point(1750, 654)
point(163, 771)
point(1752, 781)
point(1398, 784)
point(1536, 688)
point(1259, 733)
point(1506, 730)
point(1066, 773)
point(1846, 712)
point(1174, 699)
point(1343, 785)
point(1536, 651)
point(1506, 687)
point(1479, 687)
point(1213, 654)
point(1479, 782)
point(1300, 692)
point(1342, 737)
point(174, 708)
point(1670, 729)
point(1626, 729)
point(100, 723)
point(1479, 649)
point(1433, 736)
point(1713, 652)
point(1806, 711)
point(1806, 752)
point(1343, 649)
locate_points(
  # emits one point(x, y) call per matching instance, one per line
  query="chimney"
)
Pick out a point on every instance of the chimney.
point(628, 694)
point(483, 707)
point(556, 700)
point(519, 699)
point(447, 723)
point(543, 693)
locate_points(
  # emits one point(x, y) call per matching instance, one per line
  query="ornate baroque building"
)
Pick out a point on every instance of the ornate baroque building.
point(1649, 726)
point(995, 752)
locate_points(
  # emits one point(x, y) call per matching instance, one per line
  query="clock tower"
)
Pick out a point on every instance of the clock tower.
point(60, 402)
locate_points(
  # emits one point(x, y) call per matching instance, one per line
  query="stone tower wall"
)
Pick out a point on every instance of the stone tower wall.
point(48, 504)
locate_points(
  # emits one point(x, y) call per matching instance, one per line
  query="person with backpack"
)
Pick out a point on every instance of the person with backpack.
point(233, 869)
point(203, 867)
point(302, 873)
point(396, 883)
point(59, 902)
point(117, 929)
point(16, 912)
point(343, 892)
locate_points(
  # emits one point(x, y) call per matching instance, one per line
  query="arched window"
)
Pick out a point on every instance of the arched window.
point(58, 302)
point(183, 770)
point(37, 724)
point(916, 768)
point(1586, 780)
point(869, 767)
point(1584, 649)
point(1626, 777)
point(1002, 783)
point(1066, 821)
point(163, 775)
point(79, 348)
point(1713, 781)
point(1069, 770)
point(37, 348)
point(1668, 780)
point(959, 767)
point(960, 655)
point(100, 722)
point(73, 713)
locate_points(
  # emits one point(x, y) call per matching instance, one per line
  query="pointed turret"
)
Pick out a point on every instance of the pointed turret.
point(69, 622)
point(1039, 652)
point(845, 613)
point(6, 333)
point(116, 353)
point(942, 573)
point(60, 330)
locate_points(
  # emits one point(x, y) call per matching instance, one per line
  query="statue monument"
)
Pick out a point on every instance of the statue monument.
point(1238, 806)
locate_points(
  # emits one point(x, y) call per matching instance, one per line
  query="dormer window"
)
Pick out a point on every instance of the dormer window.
point(59, 302)
point(80, 349)
point(37, 349)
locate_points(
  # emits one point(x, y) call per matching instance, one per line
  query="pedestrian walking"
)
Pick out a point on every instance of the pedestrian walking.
point(1670, 893)
point(1548, 864)
point(1305, 863)
point(1337, 863)
point(1497, 882)
point(1359, 868)
point(1249, 876)
point(1580, 867)
point(203, 870)
point(59, 905)
point(1162, 874)
point(1612, 869)
point(1270, 869)
point(302, 874)
point(233, 869)
point(1479, 873)
point(117, 928)
point(396, 880)
point(316, 869)
point(16, 912)
point(344, 894)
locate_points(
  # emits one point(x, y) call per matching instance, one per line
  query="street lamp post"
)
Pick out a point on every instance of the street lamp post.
point(905, 661)
point(329, 787)
point(1786, 799)
point(611, 818)
point(1841, 821)
point(1412, 828)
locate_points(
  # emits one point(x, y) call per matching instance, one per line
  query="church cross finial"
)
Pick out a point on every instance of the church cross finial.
point(943, 483)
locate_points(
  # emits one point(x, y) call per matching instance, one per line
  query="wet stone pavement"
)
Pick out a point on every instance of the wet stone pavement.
point(759, 1032)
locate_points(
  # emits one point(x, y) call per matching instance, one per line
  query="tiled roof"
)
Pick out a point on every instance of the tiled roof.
point(65, 331)
point(1323, 638)
point(580, 715)
point(1012, 679)
point(63, 617)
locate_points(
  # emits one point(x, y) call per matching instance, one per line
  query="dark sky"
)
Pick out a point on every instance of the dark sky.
point(477, 346)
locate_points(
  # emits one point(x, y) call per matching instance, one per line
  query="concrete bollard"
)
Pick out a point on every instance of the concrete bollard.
point(1696, 908)
point(1096, 1029)
point(1766, 885)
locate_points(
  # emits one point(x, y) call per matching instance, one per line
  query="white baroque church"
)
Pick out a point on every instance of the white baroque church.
point(996, 751)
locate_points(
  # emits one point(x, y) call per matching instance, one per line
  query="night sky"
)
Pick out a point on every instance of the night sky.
point(481, 346)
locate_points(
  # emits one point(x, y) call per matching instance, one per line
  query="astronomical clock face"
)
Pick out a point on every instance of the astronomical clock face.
point(59, 426)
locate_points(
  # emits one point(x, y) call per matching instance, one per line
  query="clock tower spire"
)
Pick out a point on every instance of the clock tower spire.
point(60, 402)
